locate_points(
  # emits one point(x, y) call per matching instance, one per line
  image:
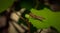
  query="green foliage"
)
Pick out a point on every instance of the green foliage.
point(27, 4)
point(52, 19)
point(4, 4)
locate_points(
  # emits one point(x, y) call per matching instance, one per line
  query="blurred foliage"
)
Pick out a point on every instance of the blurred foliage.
point(27, 4)
point(4, 4)
point(52, 18)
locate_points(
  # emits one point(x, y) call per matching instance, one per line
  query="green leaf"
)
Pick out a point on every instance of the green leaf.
point(4, 4)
